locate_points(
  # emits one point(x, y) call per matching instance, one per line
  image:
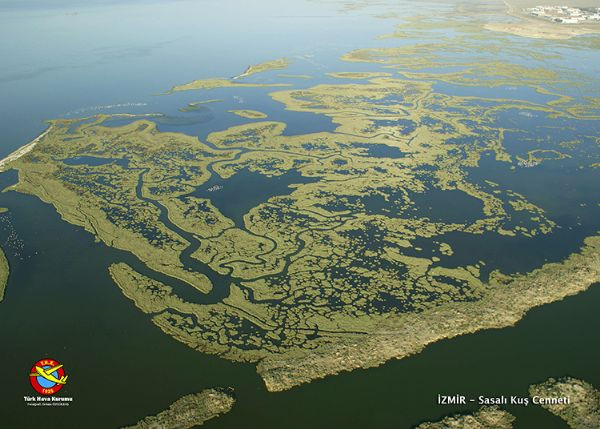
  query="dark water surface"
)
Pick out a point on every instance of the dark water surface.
point(236, 195)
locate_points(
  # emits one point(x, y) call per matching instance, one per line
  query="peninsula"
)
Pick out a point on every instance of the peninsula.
point(278, 64)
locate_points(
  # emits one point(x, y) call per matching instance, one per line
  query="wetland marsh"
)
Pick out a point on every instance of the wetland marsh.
point(305, 228)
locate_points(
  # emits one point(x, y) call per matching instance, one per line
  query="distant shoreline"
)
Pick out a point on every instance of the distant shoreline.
point(536, 28)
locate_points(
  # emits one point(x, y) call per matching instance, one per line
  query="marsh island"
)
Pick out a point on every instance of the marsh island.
point(190, 411)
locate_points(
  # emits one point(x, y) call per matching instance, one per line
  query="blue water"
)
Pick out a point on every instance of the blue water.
point(73, 57)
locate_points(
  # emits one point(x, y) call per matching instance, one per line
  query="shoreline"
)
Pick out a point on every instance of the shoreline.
point(506, 303)
point(23, 150)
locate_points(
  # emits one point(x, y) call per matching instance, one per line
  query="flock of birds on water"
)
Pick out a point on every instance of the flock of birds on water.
point(528, 164)
point(214, 188)
point(12, 243)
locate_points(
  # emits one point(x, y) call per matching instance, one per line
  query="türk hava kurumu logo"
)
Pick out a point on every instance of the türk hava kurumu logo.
point(47, 376)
